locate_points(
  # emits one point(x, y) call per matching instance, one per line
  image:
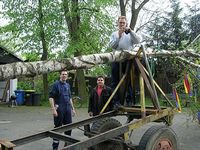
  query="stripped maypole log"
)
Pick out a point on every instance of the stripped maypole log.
point(13, 70)
point(17, 69)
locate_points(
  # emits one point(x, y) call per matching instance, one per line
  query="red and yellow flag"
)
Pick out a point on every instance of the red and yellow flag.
point(176, 97)
point(186, 84)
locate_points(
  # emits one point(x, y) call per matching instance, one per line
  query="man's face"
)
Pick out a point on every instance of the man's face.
point(100, 81)
point(63, 76)
point(122, 23)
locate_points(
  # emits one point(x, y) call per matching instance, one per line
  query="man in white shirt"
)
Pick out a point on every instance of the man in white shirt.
point(123, 39)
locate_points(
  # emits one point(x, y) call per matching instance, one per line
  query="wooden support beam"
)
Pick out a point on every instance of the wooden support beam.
point(135, 109)
point(6, 145)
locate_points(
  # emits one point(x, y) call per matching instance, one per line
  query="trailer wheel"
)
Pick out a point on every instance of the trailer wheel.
point(104, 125)
point(159, 138)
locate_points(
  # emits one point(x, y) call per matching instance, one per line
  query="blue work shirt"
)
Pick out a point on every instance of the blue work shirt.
point(61, 94)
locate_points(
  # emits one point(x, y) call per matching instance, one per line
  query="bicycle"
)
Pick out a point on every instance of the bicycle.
point(77, 102)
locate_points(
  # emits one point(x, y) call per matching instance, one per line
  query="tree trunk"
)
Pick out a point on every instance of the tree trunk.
point(82, 92)
point(134, 11)
point(122, 7)
point(13, 70)
point(73, 23)
point(45, 49)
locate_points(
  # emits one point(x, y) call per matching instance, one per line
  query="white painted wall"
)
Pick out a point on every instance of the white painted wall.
point(13, 86)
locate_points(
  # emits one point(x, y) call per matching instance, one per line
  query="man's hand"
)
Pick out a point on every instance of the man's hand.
point(73, 112)
point(121, 30)
point(54, 112)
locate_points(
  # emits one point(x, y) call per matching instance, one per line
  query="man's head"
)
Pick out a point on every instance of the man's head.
point(100, 81)
point(63, 75)
point(122, 22)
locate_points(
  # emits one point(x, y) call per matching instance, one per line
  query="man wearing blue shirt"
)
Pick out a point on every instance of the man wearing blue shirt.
point(61, 104)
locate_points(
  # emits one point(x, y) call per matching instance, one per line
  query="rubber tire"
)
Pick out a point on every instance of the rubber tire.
point(154, 134)
point(104, 125)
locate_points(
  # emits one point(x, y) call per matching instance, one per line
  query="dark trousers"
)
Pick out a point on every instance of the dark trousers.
point(115, 77)
point(64, 117)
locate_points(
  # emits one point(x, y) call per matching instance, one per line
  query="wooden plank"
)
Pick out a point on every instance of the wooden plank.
point(5, 144)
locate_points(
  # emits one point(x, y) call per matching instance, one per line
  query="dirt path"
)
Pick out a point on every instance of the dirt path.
point(21, 121)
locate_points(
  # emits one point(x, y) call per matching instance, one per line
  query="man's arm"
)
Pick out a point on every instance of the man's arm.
point(114, 41)
point(73, 109)
point(52, 95)
point(52, 104)
point(135, 38)
point(90, 105)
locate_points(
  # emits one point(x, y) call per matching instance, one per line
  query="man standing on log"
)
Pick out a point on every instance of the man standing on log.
point(122, 39)
point(61, 104)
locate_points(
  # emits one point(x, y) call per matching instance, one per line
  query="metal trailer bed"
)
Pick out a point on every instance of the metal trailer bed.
point(104, 132)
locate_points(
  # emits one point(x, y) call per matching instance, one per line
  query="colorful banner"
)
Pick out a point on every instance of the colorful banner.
point(176, 97)
point(186, 84)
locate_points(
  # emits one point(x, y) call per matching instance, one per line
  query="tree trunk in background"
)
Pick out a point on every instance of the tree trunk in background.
point(80, 78)
point(45, 50)
point(122, 7)
point(72, 19)
point(134, 11)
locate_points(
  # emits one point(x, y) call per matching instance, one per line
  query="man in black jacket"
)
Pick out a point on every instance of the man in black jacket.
point(98, 97)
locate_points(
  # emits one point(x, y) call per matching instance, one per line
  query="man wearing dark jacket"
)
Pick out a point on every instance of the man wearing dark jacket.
point(98, 97)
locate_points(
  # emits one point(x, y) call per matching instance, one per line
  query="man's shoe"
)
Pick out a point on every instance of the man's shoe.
point(116, 106)
point(129, 104)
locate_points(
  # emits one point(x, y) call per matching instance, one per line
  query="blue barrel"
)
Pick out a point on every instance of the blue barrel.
point(198, 113)
point(19, 97)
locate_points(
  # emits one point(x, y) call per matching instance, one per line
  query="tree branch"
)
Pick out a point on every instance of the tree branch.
point(188, 62)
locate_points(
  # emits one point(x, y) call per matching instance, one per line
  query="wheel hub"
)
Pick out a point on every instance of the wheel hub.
point(164, 144)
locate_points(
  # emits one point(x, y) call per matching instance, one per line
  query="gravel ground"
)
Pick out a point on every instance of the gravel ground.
point(25, 120)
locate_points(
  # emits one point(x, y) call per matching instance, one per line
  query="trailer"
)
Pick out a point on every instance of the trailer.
point(105, 132)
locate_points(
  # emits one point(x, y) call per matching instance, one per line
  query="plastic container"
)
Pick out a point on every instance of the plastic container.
point(19, 97)
point(198, 116)
point(36, 97)
point(29, 97)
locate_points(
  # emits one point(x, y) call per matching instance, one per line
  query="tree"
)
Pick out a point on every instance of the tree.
point(136, 7)
point(167, 32)
point(85, 36)
point(42, 28)
point(193, 24)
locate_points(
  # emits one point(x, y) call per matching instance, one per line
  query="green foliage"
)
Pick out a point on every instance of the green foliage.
point(26, 84)
point(31, 56)
point(93, 31)
point(23, 27)
point(29, 33)
point(100, 70)
point(167, 31)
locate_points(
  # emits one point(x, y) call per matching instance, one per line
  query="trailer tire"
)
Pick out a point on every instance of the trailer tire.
point(158, 138)
point(104, 125)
